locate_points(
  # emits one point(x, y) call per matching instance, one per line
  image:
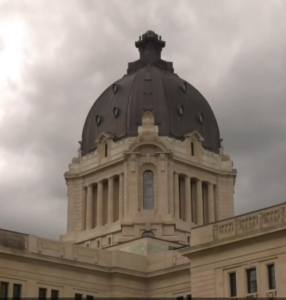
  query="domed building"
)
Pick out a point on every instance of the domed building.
point(151, 161)
point(150, 204)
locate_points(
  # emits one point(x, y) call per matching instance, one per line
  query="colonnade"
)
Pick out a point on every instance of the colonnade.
point(103, 202)
point(194, 199)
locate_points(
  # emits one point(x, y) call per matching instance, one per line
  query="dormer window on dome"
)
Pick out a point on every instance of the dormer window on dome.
point(115, 111)
point(201, 117)
point(98, 120)
point(115, 88)
point(184, 87)
point(180, 110)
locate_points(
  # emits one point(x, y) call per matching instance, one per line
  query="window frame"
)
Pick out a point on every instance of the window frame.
point(146, 204)
point(6, 285)
point(78, 296)
point(45, 290)
point(231, 288)
point(249, 281)
point(193, 151)
point(53, 297)
point(17, 297)
point(269, 277)
point(105, 150)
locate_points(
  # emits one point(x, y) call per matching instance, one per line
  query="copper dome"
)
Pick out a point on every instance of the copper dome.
point(150, 85)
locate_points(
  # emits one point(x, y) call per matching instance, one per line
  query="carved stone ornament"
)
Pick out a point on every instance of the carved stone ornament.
point(133, 162)
point(215, 232)
point(162, 162)
point(76, 160)
point(148, 129)
point(148, 157)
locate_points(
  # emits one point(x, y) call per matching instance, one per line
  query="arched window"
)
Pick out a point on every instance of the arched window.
point(148, 190)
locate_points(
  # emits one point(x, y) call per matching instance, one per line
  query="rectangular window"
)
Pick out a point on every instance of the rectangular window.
point(182, 198)
point(251, 281)
point(194, 200)
point(78, 296)
point(189, 297)
point(180, 298)
point(88, 297)
point(4, 290)
point(232, 284)
point(205, 203)
point(17, 291)
point(54, 294)
point(271, 277)
point(42, 294)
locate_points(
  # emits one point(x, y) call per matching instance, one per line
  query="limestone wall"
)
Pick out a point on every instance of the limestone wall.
point(252, 240)
point(71, 269)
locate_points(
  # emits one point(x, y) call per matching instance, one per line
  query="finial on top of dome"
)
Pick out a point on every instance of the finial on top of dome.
point(150, 46)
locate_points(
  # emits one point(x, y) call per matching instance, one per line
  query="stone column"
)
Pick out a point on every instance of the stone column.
point(121, 196)
point(83, 213)
point(188, 211)
point(89, 207)
point(99, 216)
point(110, 204)
point(200, 210)
point(211, 204)
point(176, 196)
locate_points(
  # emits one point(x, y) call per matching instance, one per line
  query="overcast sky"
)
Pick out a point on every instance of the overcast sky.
point(56, 57)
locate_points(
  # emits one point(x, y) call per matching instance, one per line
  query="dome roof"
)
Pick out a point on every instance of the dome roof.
point(150, 85)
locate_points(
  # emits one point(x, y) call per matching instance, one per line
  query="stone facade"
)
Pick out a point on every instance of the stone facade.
point(105, 192)
point(253, 241)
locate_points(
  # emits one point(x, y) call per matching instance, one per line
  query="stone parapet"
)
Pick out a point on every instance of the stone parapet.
point(250, 224)
point(127, 262)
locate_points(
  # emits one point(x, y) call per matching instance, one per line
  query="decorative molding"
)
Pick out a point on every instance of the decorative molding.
point(133, 162)
point(194, 135)
point(162, 159)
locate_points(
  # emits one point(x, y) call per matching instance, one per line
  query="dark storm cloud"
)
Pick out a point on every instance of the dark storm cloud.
point(233, 52)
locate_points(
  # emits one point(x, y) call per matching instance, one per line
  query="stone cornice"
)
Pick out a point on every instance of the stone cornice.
point(190, 251)
point(175, 268)
point(237, 229)
point(17, 254)
point(201, 166)
point(96, 169)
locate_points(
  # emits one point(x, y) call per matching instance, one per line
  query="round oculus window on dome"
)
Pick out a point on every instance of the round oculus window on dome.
point(201, 117)
point(180, 110)
point(184, 87)
point(116, 111)
point(115, 88)
point(98, 120)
